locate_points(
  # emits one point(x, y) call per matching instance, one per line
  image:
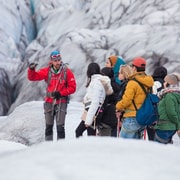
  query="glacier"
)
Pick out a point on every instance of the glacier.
point(84, 32)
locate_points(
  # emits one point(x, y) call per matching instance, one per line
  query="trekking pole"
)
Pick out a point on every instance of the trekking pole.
point(119, 123)
point(53, 105)
point(95, 127)
point(59, 108)
point(118, 126)
point(145, 134)
point(98, 111)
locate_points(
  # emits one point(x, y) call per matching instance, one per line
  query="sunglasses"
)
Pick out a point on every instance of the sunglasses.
point(56, 57)
point(56, 60)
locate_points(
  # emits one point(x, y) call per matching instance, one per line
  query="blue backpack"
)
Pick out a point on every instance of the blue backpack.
point(147, 114)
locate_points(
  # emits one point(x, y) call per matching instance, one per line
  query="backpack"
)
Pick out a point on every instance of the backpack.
point(122, 90)
point(64, 69)
point(148, 112)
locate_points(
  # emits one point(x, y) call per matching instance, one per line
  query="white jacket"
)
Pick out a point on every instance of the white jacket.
point(99, 87)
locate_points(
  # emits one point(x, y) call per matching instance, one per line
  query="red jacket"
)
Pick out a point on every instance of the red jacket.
point(65, 84)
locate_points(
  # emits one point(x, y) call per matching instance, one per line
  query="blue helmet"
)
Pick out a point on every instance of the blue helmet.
point(55, 55)
point(56, 52)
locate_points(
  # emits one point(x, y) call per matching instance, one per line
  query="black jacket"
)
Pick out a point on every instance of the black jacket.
point(109, 110)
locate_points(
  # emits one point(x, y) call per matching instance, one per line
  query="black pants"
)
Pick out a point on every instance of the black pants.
point(81, 128)
point(150, 132)
point(114, 132)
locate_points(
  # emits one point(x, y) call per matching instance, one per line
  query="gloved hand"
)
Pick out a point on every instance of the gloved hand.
point(56, 95)
point(32, 66)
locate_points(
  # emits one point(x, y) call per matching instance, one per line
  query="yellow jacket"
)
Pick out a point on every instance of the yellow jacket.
point(134, 92)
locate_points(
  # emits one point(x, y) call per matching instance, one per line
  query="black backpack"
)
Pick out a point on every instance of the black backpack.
point(122, 90)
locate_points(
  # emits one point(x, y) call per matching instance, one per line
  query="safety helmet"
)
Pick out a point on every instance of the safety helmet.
point(55, 55)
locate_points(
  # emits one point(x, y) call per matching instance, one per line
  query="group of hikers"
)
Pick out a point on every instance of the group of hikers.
point(112, 98)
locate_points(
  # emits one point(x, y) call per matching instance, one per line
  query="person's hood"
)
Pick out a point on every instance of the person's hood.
point(116, 68)
point(169, 90)
point(106, 82)
point(143, 78)
point(177, 95)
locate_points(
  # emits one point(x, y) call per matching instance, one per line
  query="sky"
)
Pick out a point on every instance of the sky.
point(86, 158)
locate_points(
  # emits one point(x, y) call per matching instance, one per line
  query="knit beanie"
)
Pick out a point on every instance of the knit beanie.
point(113, 60)
point(126, 70)
point(172, 79)
point(160, 72)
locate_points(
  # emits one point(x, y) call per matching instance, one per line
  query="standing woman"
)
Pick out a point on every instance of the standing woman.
point(124, 73)
point(115, 63)
point(109, 120)
point(98, 86)
point(169, 110)
point(158, 75)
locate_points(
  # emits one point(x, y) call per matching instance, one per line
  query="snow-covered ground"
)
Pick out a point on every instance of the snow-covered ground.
point(84, 158)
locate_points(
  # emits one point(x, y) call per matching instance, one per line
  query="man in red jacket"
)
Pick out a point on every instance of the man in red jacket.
point(60, 84)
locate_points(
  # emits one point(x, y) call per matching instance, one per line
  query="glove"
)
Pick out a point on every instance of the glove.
point(32, 66)
point(56, 95)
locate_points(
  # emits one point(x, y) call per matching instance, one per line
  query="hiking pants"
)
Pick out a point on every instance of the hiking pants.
point(104, 130)
point(150, 132)
point(114, 132)
point(164, 136)
point(81, 128)
point(58, 112)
